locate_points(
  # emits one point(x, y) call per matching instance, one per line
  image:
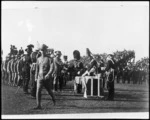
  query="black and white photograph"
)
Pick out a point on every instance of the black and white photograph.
point(74, 59)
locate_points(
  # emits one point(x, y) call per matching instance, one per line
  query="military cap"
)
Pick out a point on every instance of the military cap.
point(65, 56)
point(43, 47)
point(76, 54)
point(58, 52)
point(29, 47)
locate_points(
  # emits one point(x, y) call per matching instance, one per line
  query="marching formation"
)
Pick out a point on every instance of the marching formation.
point(44, 67)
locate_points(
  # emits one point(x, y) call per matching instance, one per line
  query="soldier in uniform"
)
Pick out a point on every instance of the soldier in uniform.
point(20, 70)
point(15, 71)
point(26, 68)
point(43, 75)
point(110, 76)
point(9, 70)
point(78, 69)
point(64, 71)
point(34, 57)
point(101, 74)
point(21, 51)
point(58, 65)
point(6, 74)
point(12, 70)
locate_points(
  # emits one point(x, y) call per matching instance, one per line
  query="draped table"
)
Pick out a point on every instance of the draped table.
point(90, 84)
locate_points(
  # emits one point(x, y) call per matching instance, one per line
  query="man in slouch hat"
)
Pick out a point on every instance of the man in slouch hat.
point(110, 76)
point(43, 75)
point(58, 65)
point(26, 68)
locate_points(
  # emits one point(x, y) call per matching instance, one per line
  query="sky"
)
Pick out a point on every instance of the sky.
point(103, 27)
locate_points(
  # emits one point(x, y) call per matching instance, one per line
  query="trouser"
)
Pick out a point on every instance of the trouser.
point(33, 89)
point(77, 85)
point(26, 79)
point(15, 78)
point(79, 88)
point(20, 80)
point(2, 76)
point(110, 90)
point(65, 79)
point(10, 77)
point(5, 76)
point(33, 84)
point(110, 87)
point(48, 86)
point(58, 80)
point(102, 85)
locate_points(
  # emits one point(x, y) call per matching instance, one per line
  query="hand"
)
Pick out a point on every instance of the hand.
point(78, 73)
point(46, 76)
point(106, 73)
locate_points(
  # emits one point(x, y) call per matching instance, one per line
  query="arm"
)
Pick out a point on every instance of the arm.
point(59, 62)
point(51, 63)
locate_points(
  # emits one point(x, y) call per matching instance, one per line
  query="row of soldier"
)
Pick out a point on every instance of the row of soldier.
point(136, 74)
point(20, 69)
point(21, 66)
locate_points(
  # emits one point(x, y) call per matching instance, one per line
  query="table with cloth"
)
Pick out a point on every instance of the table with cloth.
point(90, 84)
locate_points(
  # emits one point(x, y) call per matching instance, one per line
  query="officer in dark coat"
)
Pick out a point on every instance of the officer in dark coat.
point(64, 70)
point(26, 68)
point(78, 68)
point(21, 51)
point(110, 76)
point(34, 57)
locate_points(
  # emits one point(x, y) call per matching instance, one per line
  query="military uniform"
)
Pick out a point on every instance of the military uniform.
point(64, 70)
point(15, 72)
point(78, 71)
point(101, 74)
point(26, 68)
point(26, 72)
point(44, 70)
point(32, 79)
point(58, 65)
point(110, 78)
point(6, 74)
point(32, 73)
point(9, 71)
point(20, 72)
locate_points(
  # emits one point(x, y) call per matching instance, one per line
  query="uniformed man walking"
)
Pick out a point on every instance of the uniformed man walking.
point(110, 76)
point(43, 75)
point(26, 68)
point(58, 65)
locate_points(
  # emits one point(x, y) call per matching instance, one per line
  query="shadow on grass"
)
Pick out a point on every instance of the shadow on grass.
point(126, 97)
point(147, 90)
point(84, 107)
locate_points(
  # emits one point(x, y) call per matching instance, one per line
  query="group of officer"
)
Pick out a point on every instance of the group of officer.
point(45, 68)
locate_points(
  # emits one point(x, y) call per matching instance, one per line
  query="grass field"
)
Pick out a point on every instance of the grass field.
point(128, 98)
